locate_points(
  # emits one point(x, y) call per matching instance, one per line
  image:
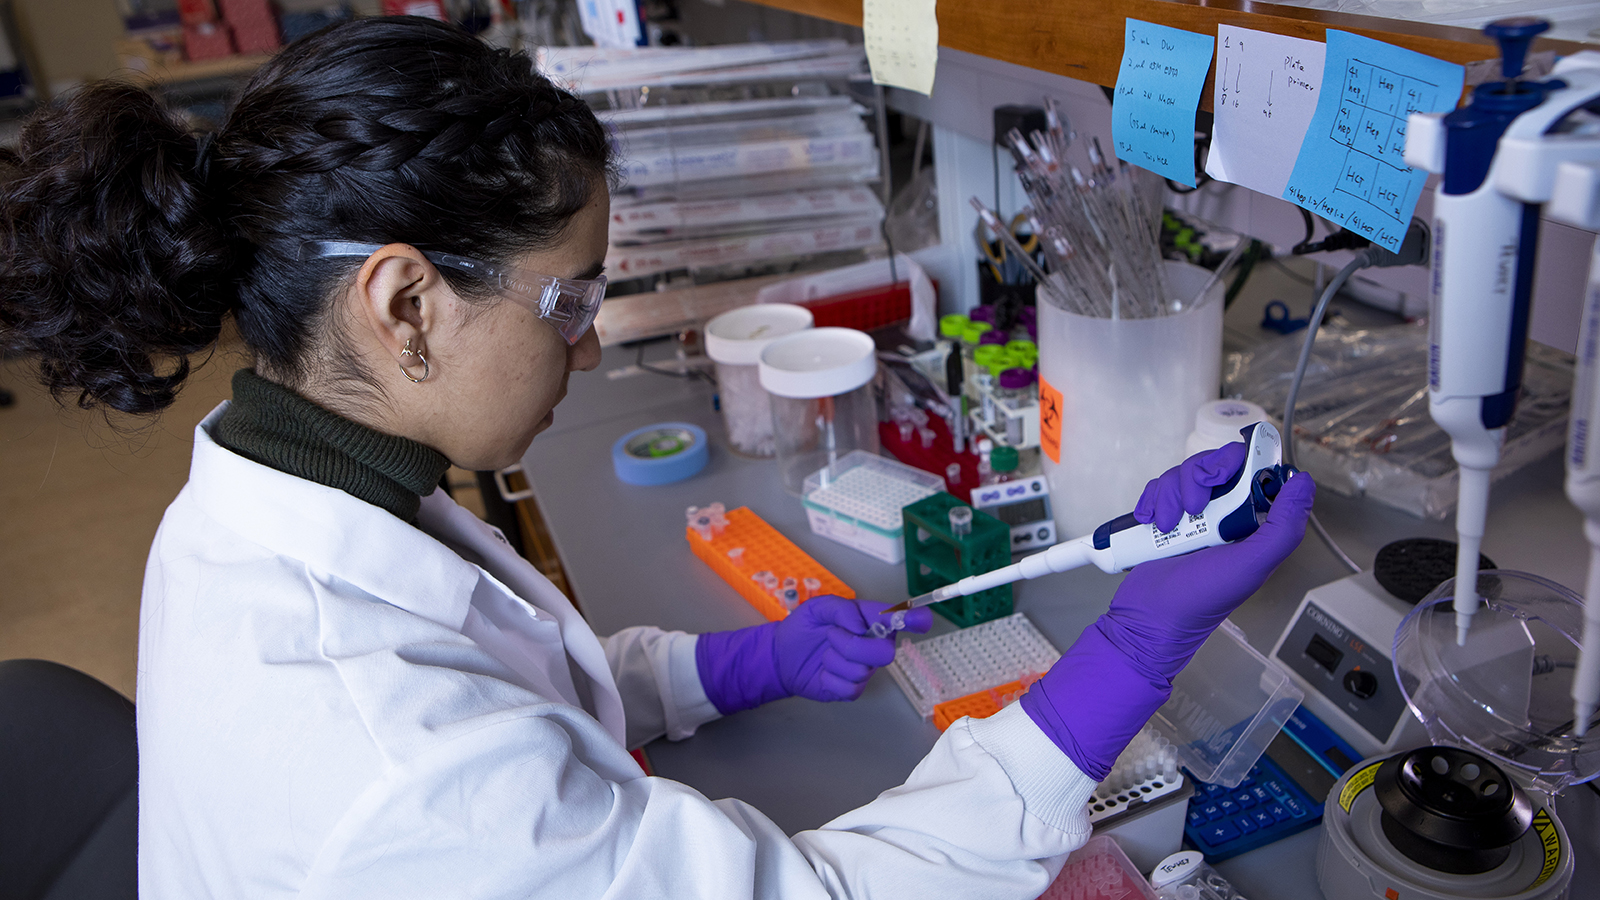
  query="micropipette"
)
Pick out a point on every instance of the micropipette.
point(1237, 509)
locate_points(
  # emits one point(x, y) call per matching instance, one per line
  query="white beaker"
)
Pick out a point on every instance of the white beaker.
point(1124, 394)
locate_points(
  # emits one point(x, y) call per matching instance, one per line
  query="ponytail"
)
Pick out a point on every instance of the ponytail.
point(113, 266)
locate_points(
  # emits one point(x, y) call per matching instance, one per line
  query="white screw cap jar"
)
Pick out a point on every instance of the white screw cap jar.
point(822, 405)
point(734, 341)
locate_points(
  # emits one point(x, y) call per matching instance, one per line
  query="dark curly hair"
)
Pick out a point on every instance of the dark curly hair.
point(125, 240)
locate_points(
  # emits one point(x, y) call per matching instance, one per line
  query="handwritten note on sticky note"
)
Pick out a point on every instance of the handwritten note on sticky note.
point(1352, 167)
point(1158, 91)
point(1265, 95)
point(902, 40)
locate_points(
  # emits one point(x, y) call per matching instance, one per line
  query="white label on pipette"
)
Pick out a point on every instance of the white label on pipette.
point(1191, 528)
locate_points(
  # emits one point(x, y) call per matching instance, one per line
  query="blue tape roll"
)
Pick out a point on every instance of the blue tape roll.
point(660, 454)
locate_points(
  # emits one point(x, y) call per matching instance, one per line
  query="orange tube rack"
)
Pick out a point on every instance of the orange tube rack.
point(764, 550)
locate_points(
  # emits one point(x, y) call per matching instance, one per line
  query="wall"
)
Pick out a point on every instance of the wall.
point(967, 87)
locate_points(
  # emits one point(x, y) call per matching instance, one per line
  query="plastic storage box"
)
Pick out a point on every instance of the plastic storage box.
point(857, 502)
point(1226, 707)
point(970, 662)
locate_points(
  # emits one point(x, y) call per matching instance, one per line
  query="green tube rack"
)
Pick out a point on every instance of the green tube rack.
point(935, 558)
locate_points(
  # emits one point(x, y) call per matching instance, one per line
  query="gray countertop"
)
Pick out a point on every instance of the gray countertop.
point(803, 763)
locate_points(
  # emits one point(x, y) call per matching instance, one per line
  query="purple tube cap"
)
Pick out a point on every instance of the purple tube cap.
point(1016, 379)
point(994, 337)
point(982, 314)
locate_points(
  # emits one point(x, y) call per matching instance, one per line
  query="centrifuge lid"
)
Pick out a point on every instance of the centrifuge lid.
point(1507, 694)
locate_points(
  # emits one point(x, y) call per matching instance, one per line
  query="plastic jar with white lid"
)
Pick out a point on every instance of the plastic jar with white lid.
point(734, 341)
point(820, 381)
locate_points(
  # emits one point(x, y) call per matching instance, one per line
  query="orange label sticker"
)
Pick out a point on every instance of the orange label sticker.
point(1050, 420)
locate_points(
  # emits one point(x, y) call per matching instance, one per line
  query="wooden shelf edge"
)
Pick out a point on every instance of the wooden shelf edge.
point(177, 73)
point(1084, 40)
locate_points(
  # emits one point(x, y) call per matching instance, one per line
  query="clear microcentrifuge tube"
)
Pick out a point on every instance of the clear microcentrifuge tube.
point(760, 577)
point(811, 587)
point(736, 556)
point(788, 597)
point(960, 521)
point(906, 428)
point(952, 473)
point(926, 435)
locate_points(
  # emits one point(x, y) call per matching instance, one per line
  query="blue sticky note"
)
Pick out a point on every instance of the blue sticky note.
point(1351, 168)
point(1158, 91)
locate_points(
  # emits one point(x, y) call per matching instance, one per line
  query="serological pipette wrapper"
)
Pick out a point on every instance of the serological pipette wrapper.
point(1362, 426)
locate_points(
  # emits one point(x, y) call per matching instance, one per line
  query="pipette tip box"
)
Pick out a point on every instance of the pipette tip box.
point(967, 665)
point(741, 545)
point(857, 502)
point(1099, 870)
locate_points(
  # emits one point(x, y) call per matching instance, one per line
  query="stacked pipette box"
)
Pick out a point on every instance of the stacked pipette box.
point(971, 661)
point(857, 502)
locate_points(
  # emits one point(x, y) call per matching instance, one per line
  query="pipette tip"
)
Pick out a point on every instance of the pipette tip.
point(1462, 627)
point(1581, 714)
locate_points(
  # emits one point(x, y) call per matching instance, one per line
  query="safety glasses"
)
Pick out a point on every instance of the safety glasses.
point(568, 304)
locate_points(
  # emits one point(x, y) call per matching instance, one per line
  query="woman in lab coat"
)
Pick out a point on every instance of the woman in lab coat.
point(349, 686)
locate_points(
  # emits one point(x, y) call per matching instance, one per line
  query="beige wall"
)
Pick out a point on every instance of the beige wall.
point(68, 41)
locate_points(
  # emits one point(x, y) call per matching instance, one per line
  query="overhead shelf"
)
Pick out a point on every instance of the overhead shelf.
point(1083, 40)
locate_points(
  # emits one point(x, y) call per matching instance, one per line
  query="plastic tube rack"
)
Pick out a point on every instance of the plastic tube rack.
point(749, 554)
point(989, 660)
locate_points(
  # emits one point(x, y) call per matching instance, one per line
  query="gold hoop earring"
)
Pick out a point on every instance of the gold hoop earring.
point(407, 351)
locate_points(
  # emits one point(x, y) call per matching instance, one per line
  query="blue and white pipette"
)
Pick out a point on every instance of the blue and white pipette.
point(1237, 509)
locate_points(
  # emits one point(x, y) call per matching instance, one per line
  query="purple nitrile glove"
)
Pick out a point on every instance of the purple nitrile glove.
point(1120, 670)
point(1187, 486)
point(821, 650)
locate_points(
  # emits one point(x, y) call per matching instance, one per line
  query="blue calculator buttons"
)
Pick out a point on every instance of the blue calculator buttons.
point(1221, 832)
point(1224, 822)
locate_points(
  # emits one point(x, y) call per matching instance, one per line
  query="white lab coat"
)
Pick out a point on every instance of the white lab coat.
point(335, 704)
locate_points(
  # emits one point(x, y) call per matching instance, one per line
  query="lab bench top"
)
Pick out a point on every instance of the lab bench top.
point(803, 763)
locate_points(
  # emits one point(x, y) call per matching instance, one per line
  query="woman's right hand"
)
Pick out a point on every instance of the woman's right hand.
point(1120, 670)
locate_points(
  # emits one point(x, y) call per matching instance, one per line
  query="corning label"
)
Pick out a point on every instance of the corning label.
point(1049, 420)
point(1551, 839)
point(1358, 782)
point(1192, 527)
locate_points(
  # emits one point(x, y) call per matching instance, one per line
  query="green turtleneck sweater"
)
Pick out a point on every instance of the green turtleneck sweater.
point(277, 427)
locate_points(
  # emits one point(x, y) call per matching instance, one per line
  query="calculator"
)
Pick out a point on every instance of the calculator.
point(1282, 794)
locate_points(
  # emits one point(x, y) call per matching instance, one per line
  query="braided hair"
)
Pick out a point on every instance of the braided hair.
point(126, 240)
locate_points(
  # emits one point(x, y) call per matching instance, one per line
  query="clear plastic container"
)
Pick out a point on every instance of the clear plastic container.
point(973, 659)
point(1226, 707)
point(858, 501)
point(1129, 390)
point(734, 341)
point(1507, 694)
point(820, 380)
point(1099, 870)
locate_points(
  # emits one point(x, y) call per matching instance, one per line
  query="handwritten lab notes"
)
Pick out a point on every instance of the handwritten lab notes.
point(1264, 98)
point(1158, 91)
point(902, 39)
point(1351, 166)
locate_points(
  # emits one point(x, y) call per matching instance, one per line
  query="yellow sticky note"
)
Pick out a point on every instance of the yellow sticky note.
point(902, 38)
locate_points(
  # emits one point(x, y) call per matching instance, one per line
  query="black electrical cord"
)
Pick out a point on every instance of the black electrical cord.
point(1361, 261)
